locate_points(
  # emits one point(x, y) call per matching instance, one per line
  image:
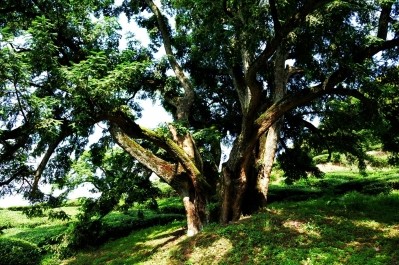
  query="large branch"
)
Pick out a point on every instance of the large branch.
point(129, 129)
point(188, 98)
point(369, 52)
point(20, 136)
point(291, 24)
point(65, 132)
point(22, 171)
point(162, 168)
point(274, 12)
point(384, 19)
point(305, 96)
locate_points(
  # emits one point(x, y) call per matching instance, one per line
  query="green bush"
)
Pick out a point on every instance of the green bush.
point(378, 162)
point(73, 203)
point(376, 188)
point(18, 252)
point(320, 159)
point(172, 209)
point(18, 208)
point(166, 191)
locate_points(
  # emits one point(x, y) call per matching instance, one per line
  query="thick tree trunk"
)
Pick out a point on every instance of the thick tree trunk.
point(267, 151)
point(194, 201)
point(196, 213)
point(234, 186)
point(185, 176)
point(240, 176)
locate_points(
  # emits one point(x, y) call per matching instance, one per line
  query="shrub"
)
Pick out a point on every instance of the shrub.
point(378, 162)
point(297, 164)
point(89, 233)
point(18, 208)
point(172, 209)
point(18, 252)
point(73, 203)
point(320, 159)
point(166, 191)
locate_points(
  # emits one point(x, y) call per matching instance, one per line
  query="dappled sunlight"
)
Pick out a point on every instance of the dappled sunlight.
point(392, 232)
point(369, 224)
point(353, 228)
point(136, 248)
point(303, 227)
point(210, 254)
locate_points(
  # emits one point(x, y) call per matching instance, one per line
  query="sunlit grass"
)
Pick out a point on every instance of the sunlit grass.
point(132, 249)
point(351, 229)
point(318, 225)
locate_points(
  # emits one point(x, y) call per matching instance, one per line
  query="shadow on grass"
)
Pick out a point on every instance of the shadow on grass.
point(345, 227)
point(312, 232)
point(352, 229)
point(136, 248)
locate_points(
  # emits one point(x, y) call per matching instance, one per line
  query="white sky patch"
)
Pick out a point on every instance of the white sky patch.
point(15, 200)
point(289, 62)
point(131, 27)
point(153, 115)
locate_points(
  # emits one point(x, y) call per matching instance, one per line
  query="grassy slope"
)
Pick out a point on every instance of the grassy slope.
point(353, 228)
point(304, 228)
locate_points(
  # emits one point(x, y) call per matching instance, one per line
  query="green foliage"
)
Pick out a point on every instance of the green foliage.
point(60, 239)
point(82, 234)
point(122, 181)
point(18, 252)
point(165, 190)
point(321, 159)
point(297, 164)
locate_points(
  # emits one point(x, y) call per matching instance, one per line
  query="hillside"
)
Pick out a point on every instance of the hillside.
point(356, 227)
point(343, 218)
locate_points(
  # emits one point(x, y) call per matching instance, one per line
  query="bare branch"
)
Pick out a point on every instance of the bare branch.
point(368, 52)
point(65, 131)
point(21, 172)
point(19, 102)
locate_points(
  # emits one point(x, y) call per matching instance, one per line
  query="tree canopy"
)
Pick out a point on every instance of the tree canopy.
point(63, 72)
